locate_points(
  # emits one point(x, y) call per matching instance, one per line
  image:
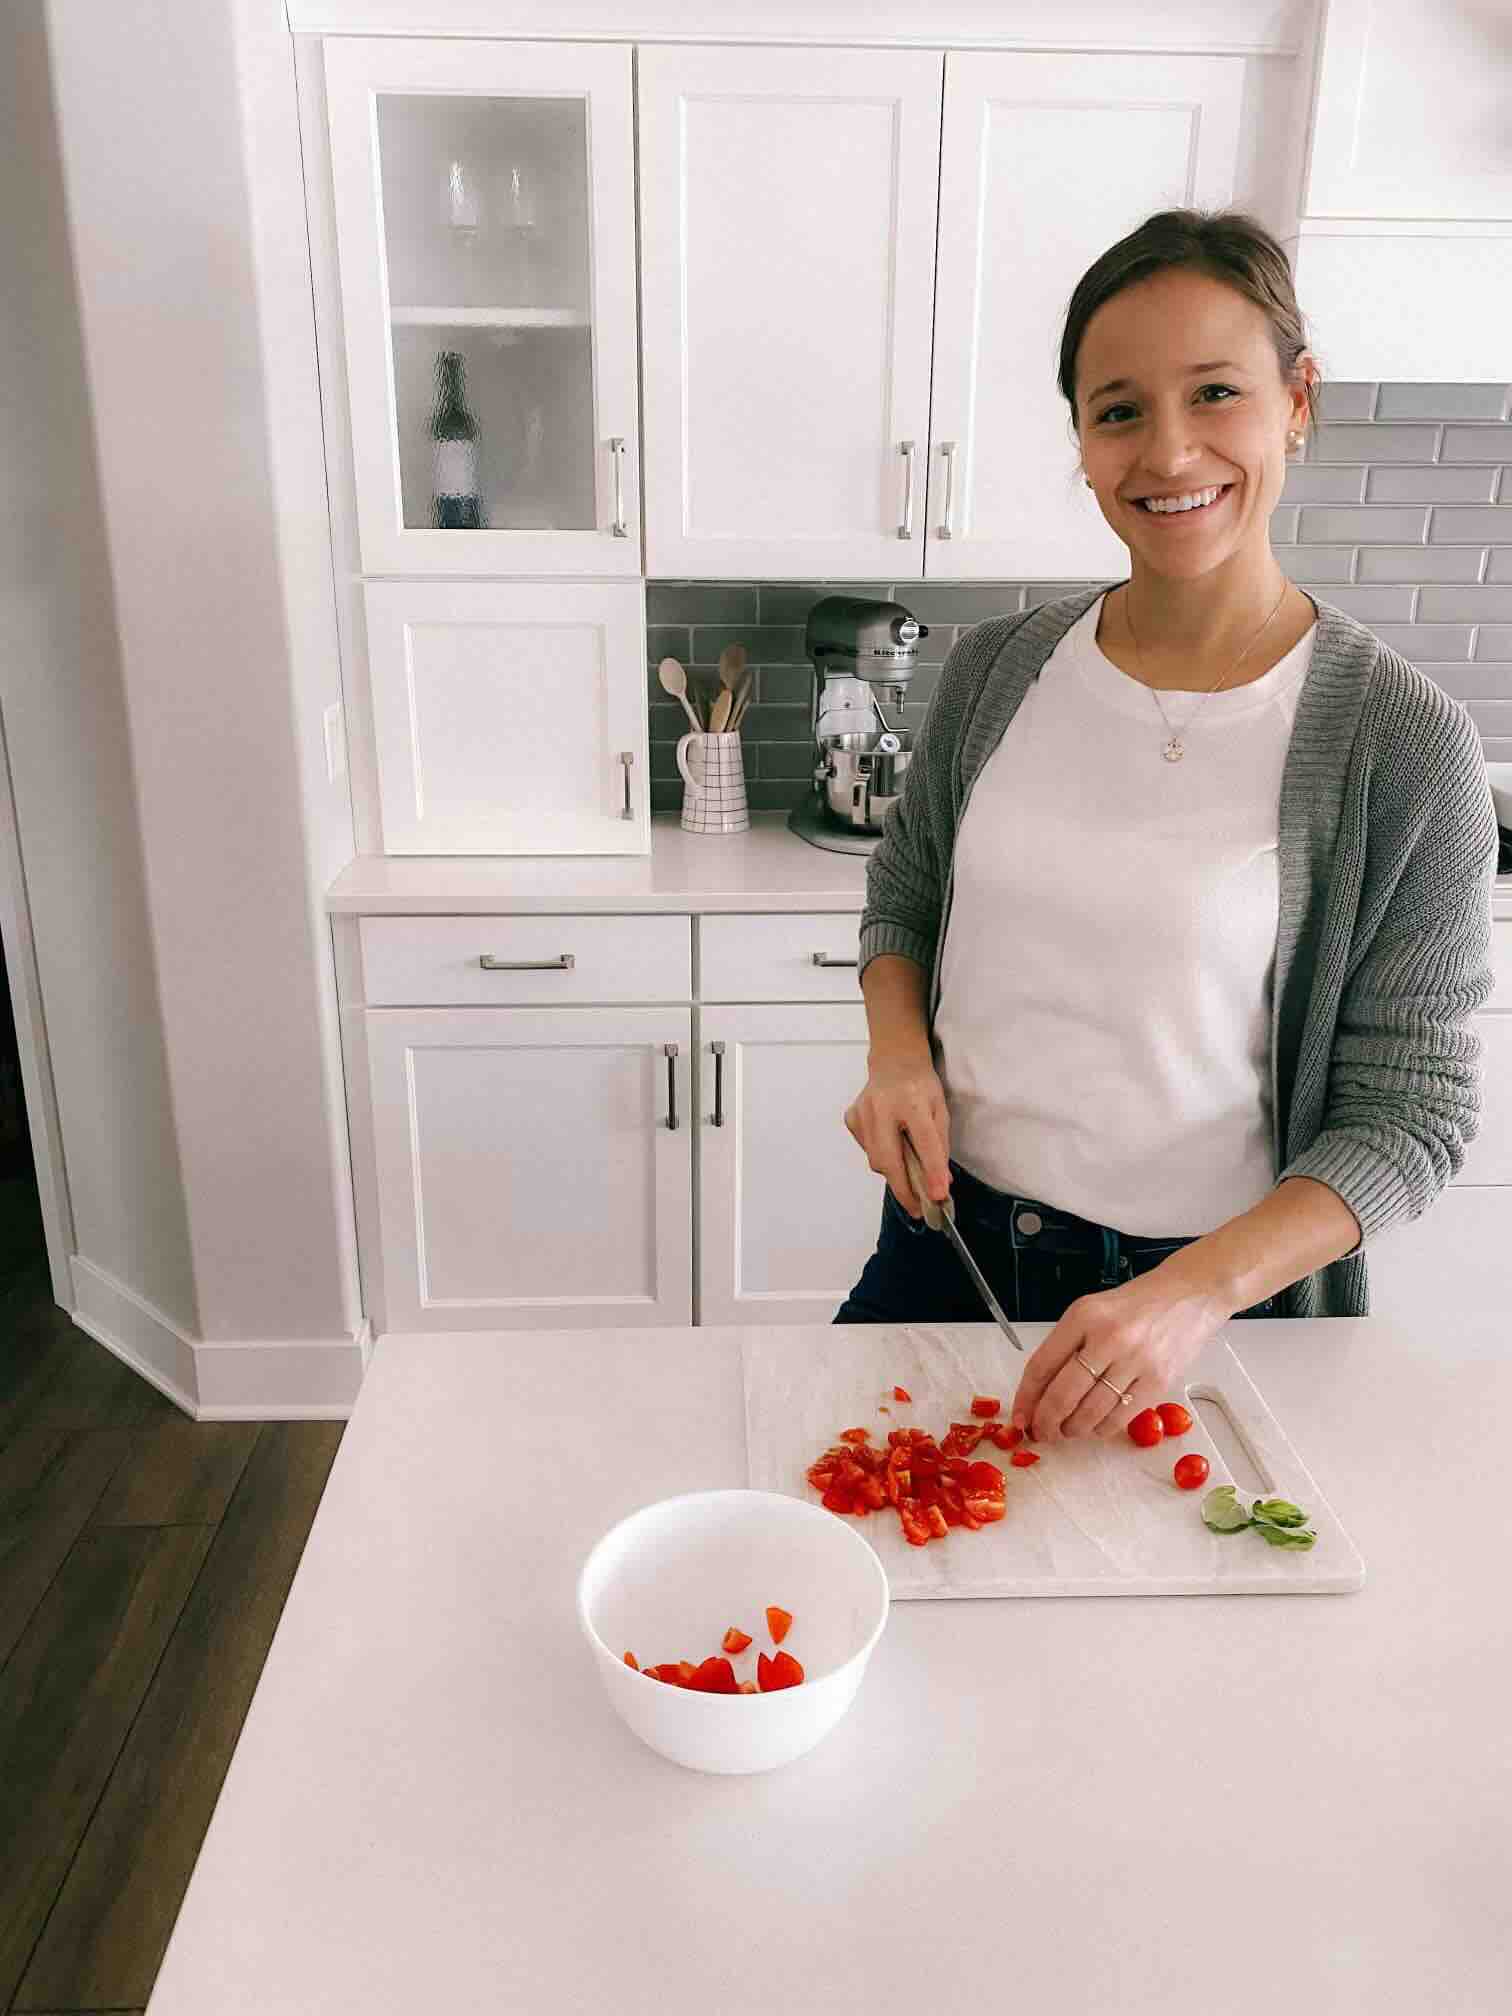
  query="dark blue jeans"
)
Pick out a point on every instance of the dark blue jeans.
point(1036, 1270)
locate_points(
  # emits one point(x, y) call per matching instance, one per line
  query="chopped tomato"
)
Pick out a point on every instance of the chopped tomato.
point(1004, 1435)
point(749, 1686)
point(736, 1640)
point(632, 1662)
point(782, 1670)
point(984, 1477)
point(715, 1676)
point(668, 1671)
point(855, 1434)
point(777, 1623)
point(685, 1670)
point(901, 1393)
point(1174, 1418)
point(1190, 1471)
point(1147, 1429)
point(1022, 1458)
point(984, 1404)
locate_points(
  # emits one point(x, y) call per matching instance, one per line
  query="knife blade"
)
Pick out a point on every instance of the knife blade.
point(941, 1218)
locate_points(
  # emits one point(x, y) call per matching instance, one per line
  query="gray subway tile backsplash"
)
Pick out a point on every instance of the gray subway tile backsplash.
point(1401, 514)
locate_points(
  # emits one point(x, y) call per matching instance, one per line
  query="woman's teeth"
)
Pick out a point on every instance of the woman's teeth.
point(1191, 500)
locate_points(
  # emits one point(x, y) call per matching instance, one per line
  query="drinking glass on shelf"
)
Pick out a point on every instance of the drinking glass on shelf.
point(464, 215)
point(519, 217)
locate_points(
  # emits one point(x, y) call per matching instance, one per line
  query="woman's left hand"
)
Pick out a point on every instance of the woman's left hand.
point(1141, 1335)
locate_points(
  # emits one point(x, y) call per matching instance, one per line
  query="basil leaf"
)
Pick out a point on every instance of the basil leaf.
point(1222, 1512)
point(1284, 1536)
point(1279, 1512)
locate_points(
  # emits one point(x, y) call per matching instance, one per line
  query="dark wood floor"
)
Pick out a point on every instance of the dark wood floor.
point(144, 1561)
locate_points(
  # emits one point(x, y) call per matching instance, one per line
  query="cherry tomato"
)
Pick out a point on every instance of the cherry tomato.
point(1174, 1418)
point(1147, 1429)
point(1191, 1471)
point(984, 1404)
point(736, 1640)
point(1022, 1458)
point(777, 1623)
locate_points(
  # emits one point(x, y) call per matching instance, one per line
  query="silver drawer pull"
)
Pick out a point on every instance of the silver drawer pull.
point(906, 450)
point(669, 1051)
point(627, 757)
point(823, 959)
point(489, 964)
point(719, 1050)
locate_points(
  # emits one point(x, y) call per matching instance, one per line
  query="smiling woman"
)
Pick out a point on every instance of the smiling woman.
point(1150, 989)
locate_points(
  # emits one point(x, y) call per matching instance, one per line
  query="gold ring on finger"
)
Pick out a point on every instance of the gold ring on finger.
point(1124, 1399)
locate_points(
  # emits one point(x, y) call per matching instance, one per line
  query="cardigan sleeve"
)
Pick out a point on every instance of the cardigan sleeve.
point(908, 871)
point(1405, 1078)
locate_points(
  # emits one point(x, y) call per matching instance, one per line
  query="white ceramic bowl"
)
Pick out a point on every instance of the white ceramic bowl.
point(667, 1582)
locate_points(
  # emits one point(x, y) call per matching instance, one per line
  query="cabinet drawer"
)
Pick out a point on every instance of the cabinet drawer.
point(813, 957)
point(417, 960)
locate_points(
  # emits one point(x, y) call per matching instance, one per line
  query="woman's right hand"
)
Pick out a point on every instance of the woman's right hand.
point(903, 1094)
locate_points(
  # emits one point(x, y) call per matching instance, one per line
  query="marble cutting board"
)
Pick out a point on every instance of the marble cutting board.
point(1089, 1519)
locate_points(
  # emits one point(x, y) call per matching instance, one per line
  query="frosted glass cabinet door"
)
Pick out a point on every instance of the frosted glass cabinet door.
point(509, 717)
point(485, 229)
point(787, 275)
point(1047, 161)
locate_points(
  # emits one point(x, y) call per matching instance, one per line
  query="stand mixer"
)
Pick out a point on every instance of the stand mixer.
point(863, 653)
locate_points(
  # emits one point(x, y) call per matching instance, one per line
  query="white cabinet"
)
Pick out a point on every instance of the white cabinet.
point(1046, 161)
point(484, 214)
point(509, 717)
point(1404, 257)
point(530, 1167)
point(787, 279)
point(789, 283)
point(788, 1210)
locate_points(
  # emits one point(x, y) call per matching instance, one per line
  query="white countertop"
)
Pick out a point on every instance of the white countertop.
point(685, 874)
point(1084, 1805)
point(767, 868)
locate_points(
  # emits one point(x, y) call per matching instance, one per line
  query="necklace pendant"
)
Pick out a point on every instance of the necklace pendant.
point(1173, 751)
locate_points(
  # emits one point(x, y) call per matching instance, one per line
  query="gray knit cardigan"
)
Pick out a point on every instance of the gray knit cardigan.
point(1386, 860)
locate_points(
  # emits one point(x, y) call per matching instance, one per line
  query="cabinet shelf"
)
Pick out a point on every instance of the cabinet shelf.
point(489, 318)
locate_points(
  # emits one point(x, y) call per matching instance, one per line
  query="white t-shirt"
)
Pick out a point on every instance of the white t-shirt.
point(1105, 987)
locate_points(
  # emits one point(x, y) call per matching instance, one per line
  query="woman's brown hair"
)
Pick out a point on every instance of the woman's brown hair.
point(1230, 245)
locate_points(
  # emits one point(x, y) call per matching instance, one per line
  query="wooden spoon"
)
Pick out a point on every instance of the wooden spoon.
point(719, 714)
point(731, 664)
point(742, 698)
point(674, 680)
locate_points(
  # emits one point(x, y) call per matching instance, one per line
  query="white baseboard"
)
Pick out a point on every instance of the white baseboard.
point(278, 1379)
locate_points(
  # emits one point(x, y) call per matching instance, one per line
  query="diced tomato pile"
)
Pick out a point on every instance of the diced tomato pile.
point(931, 1485)
point(717, 1676)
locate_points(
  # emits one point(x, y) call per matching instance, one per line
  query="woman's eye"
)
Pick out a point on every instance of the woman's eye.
point(1108, 415)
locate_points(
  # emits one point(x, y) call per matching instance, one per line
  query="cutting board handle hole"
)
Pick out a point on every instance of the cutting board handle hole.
point(1244, 1465)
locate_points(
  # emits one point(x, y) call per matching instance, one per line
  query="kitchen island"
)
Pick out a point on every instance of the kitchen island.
point(1084, 1805)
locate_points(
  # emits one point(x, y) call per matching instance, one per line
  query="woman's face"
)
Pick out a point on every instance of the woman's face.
point(1171, 429)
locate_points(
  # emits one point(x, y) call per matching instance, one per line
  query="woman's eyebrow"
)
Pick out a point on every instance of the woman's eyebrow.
point(1217, 364)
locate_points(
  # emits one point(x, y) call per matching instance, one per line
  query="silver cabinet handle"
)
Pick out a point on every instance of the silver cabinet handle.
point(719, 1050)
point(906, 450)
point(947, 449)
point(617, 450)
point(627, 757)
point(669, 1051)
point(823, 959)
point(564, 964)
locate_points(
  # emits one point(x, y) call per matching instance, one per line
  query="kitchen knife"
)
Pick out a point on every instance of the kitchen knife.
point(941, 1218)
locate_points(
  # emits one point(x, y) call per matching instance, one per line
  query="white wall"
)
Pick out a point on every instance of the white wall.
point(65, 727)
point(189, 246)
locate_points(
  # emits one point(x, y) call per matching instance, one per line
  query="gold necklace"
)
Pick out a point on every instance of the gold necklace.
point(1174, 750)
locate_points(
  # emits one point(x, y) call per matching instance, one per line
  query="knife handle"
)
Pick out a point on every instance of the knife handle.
point(934, 1217)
